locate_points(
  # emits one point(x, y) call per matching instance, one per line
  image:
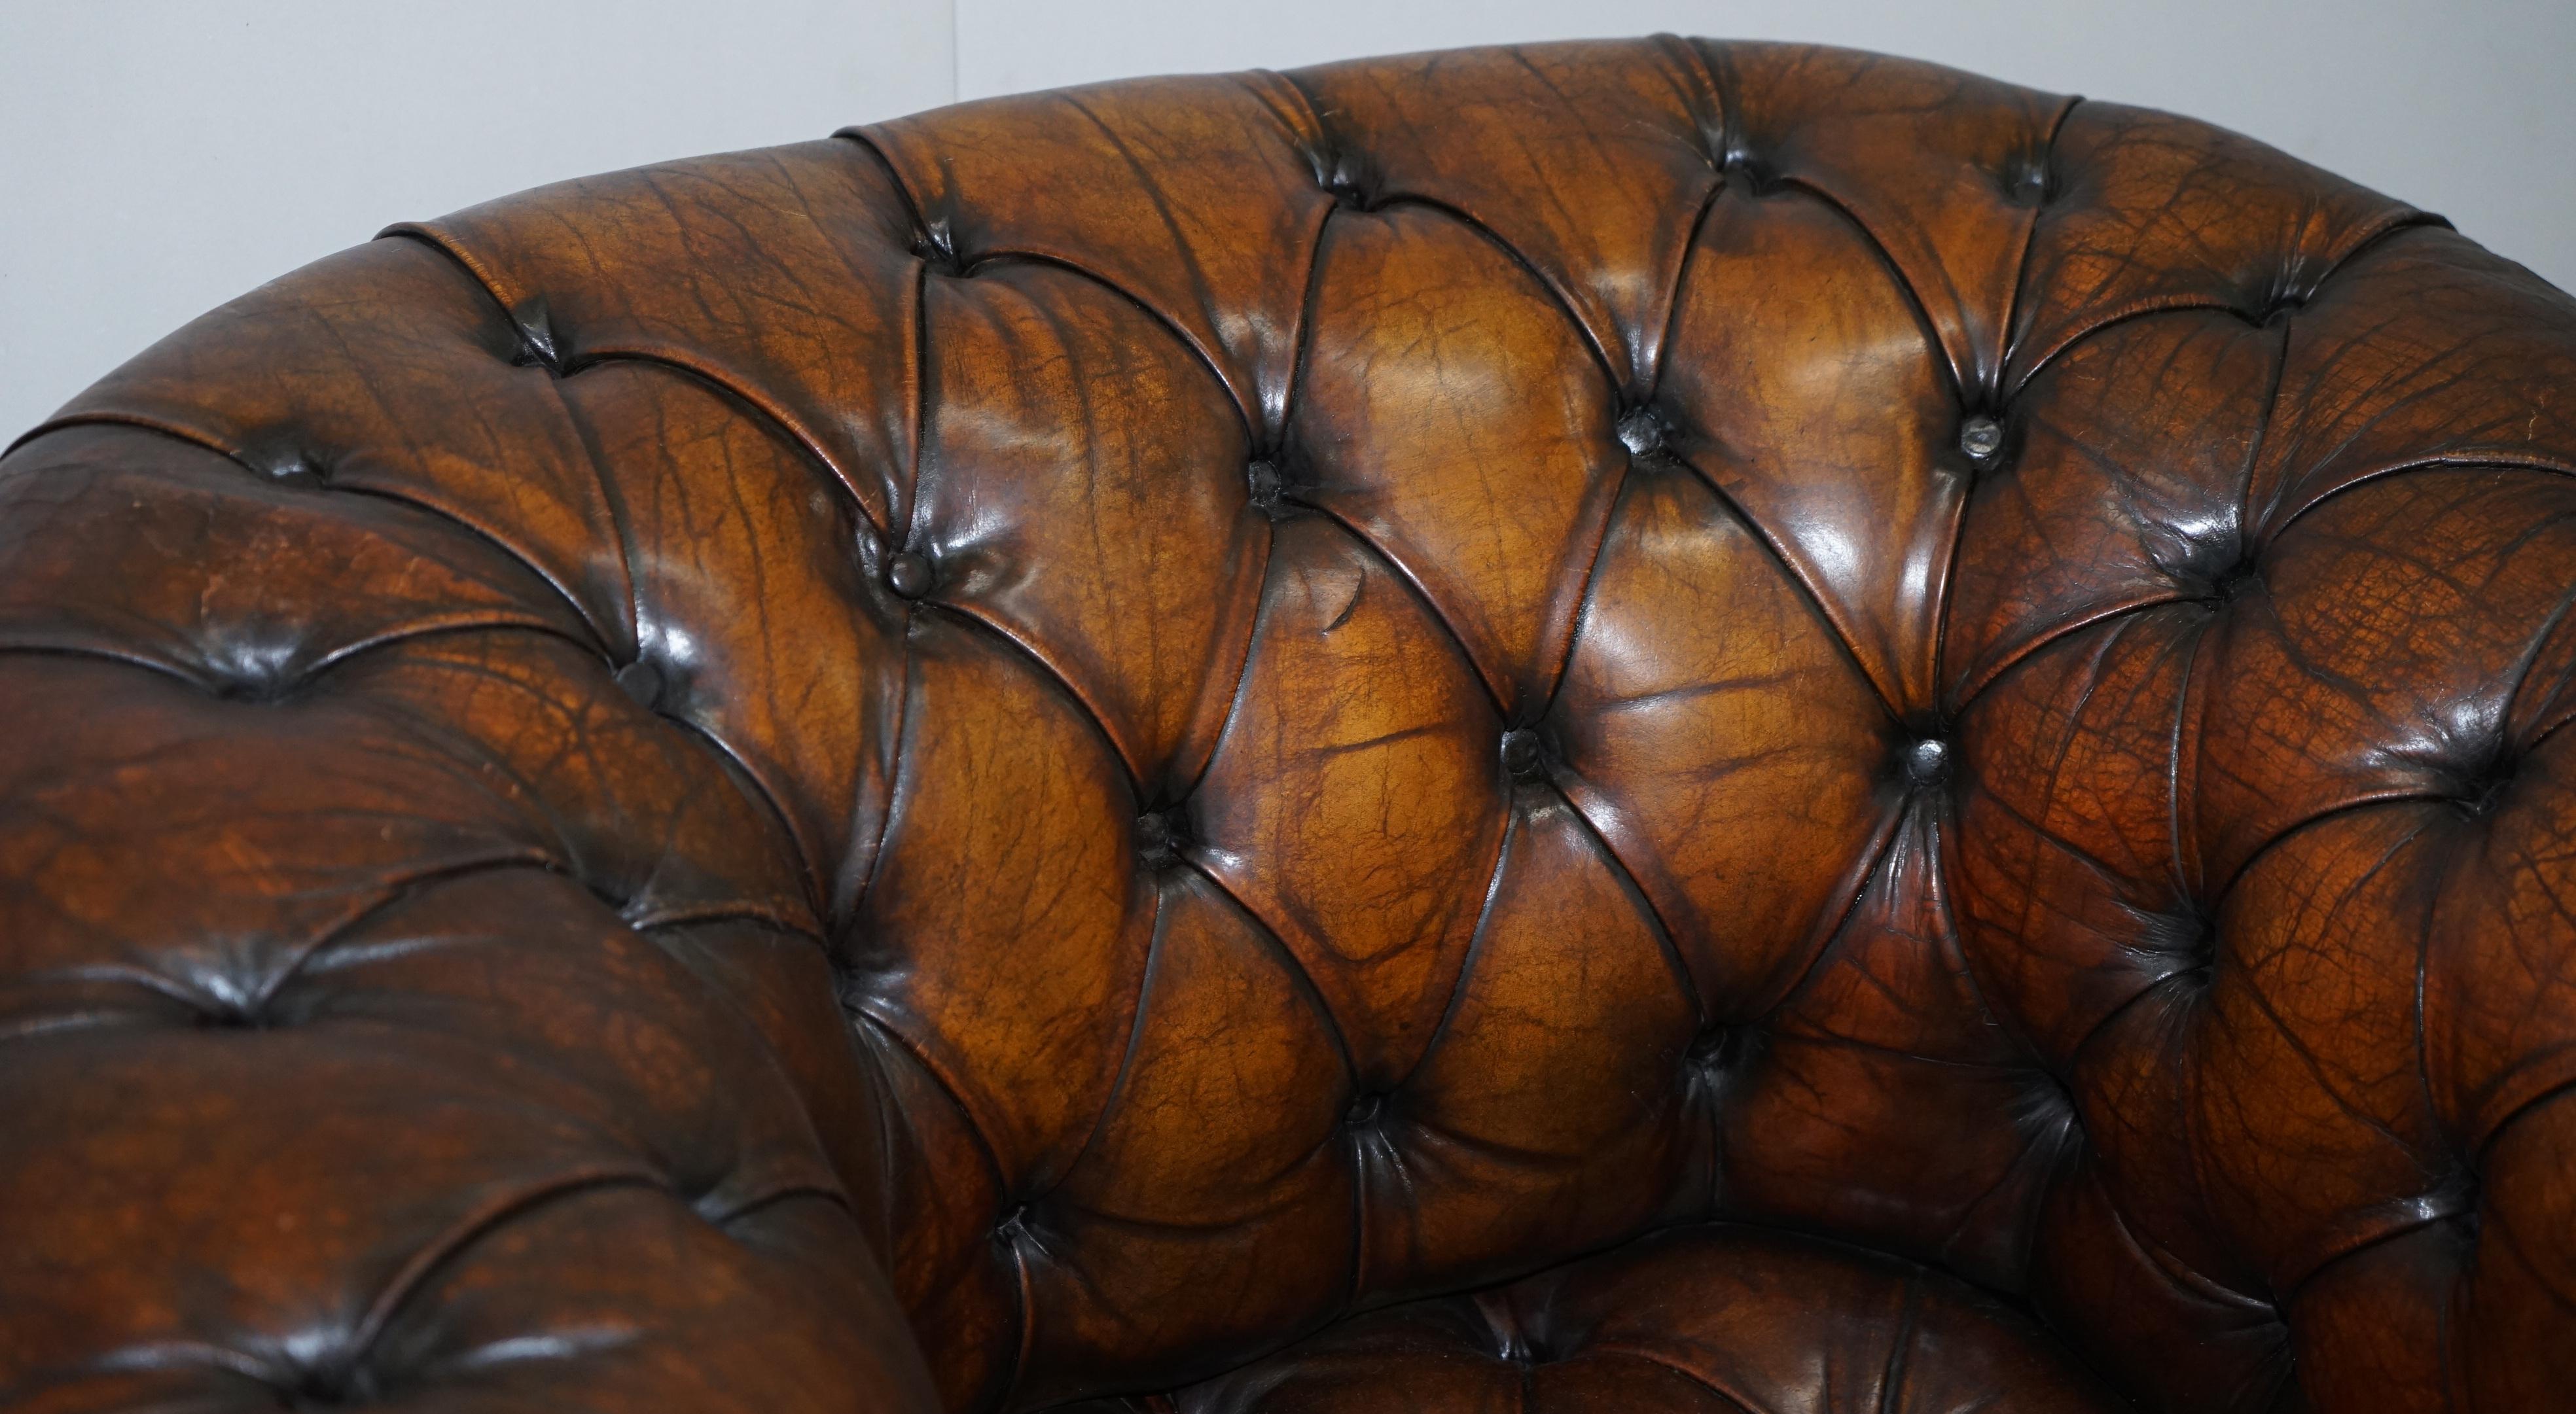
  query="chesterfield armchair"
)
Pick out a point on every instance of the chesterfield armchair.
point(1661, 726)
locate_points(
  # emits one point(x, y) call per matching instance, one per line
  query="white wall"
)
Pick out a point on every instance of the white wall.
point(159, 156)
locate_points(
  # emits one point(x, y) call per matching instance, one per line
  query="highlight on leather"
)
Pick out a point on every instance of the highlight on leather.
point(1658, 725)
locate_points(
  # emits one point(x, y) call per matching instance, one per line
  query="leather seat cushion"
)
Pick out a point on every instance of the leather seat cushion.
point(1708, 1319)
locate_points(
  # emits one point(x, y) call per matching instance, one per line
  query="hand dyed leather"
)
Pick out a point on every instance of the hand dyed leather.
point(1647, 726)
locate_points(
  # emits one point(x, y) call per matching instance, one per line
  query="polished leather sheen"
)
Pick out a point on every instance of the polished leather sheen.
point(1652, 726)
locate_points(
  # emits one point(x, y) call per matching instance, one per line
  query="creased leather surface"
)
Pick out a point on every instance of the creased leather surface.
point(1661, 725)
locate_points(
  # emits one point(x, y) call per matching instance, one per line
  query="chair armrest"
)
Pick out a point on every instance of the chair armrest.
point(392, 1006)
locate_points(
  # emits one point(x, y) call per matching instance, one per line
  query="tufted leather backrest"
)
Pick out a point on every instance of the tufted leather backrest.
point(1178, 708)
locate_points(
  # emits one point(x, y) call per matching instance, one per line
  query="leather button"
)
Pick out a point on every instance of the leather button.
point(1263, 476)
point(1365, 1110)
point(908, 574)
point(2481, 790)
point(1522, 755)
point(1750, 176)
point(256, 679)
point(1160, 835)
point(2230, 584)
point(643, 682)
point(1927, 762)
point(231, 1015)
point(1981, 437)
point(323, 1387)
point(938, 255)
point(1718, 1047)
point(1641, 432)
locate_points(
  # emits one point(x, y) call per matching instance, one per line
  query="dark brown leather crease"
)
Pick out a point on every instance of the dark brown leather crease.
point(1647, 726)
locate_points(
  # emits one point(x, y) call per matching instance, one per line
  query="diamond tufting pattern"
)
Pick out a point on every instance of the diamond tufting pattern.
point(1648, 725)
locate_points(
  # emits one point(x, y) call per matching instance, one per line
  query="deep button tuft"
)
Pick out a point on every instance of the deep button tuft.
point(1750, 176)
point(2187, 938)
point(614, 901)
point(2457, 1196)
point(1523, 753)
point(938, 254)
point(1265, 483)
point(854, 989)
point(1515, 1347)
point(1347, 188)
point(2232, 583)
point(2044, 1106)
point(258, 690)
point(231, 1016)
point(706, 1195)
point(908, 574)
point(532, 339)
point(2027, 183)
point(1642, 432)
point(263, 674)
point(1366, 1109)
point(1161, 835)
point(1982, 438)
point(300, 473)
point(2200, 942)
point(1927, 762)
point(643, 682)
point(1013, 1227)
point(320, 1387)
point(536, 349)
point(1719, 1048)
point(2482, 790)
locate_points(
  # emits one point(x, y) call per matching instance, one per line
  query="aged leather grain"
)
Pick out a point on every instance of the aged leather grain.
point(1647, 726)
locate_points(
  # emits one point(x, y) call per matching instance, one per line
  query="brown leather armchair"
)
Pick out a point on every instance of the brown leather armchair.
point(1636, 726)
